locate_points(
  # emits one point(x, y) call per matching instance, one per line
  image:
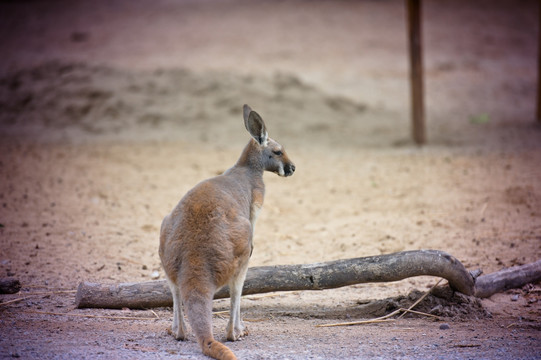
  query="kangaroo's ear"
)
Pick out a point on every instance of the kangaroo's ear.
point(255, 125)
point(246, 110)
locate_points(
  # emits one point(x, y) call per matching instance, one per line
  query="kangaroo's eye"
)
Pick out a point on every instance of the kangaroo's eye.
point(277, 152)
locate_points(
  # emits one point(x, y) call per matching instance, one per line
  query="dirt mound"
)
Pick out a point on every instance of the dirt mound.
point(442, 301)
point(60, 98)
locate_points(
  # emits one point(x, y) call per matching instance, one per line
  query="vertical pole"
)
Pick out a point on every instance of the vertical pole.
point(539, 65)
point(416, 71)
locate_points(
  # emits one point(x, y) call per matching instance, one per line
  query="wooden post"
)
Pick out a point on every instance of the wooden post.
point(416, 71)
point(539, 66)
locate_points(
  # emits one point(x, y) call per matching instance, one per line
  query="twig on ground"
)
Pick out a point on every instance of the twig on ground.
point(91, 316)
point(386, 318)
point(12, 301)
point(220, 312)
point(259, 319)
point(362, 322)
point(157, 316)
point(28, 295)
point(50, 292)
point(50, 288)
point(417, 313)
point(258, 297)
point(421, 298)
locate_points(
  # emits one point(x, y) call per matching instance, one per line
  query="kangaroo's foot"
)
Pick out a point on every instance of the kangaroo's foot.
point(178, 333)
point(235, 333)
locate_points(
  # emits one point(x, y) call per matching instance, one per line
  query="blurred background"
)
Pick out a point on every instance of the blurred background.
point(150, 69)
point(110, 111)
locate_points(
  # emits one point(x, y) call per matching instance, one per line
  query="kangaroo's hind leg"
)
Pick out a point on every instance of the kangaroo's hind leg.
point(235, 327)
point(179, 326)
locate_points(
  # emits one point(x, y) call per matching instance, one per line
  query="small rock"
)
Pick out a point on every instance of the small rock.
point(155, 275)
point(444, 327)
point(514, 297)
point(437, 310)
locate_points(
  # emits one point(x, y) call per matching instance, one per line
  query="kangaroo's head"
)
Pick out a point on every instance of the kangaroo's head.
point(271, 154)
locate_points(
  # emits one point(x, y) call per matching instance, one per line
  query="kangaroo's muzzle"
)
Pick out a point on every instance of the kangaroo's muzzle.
point(289, 169)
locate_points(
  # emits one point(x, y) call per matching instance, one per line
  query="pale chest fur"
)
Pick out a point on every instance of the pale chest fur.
point(257, 204)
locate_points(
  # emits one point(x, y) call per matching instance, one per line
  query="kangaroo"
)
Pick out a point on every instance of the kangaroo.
point(206, 241)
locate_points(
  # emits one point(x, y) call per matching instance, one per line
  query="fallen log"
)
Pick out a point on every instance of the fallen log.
point(318, 276)
point(511, 278)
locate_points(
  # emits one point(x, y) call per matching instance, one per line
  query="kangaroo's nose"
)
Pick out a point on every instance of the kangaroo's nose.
point(290, 169)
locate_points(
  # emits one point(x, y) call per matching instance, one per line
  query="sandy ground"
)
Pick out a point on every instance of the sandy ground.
point(111, 111)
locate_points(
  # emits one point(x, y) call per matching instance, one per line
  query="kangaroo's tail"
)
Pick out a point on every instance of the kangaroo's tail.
point(217, 350)
point(199, 310)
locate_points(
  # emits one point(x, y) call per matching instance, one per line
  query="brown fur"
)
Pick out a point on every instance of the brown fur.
point(206, 241)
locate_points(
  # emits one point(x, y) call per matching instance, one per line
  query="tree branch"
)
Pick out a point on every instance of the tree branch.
point(506, 279)
point(319, 276)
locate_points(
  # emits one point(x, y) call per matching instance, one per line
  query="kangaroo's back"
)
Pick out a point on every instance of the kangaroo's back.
point(206, 241)
point(211, 227)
